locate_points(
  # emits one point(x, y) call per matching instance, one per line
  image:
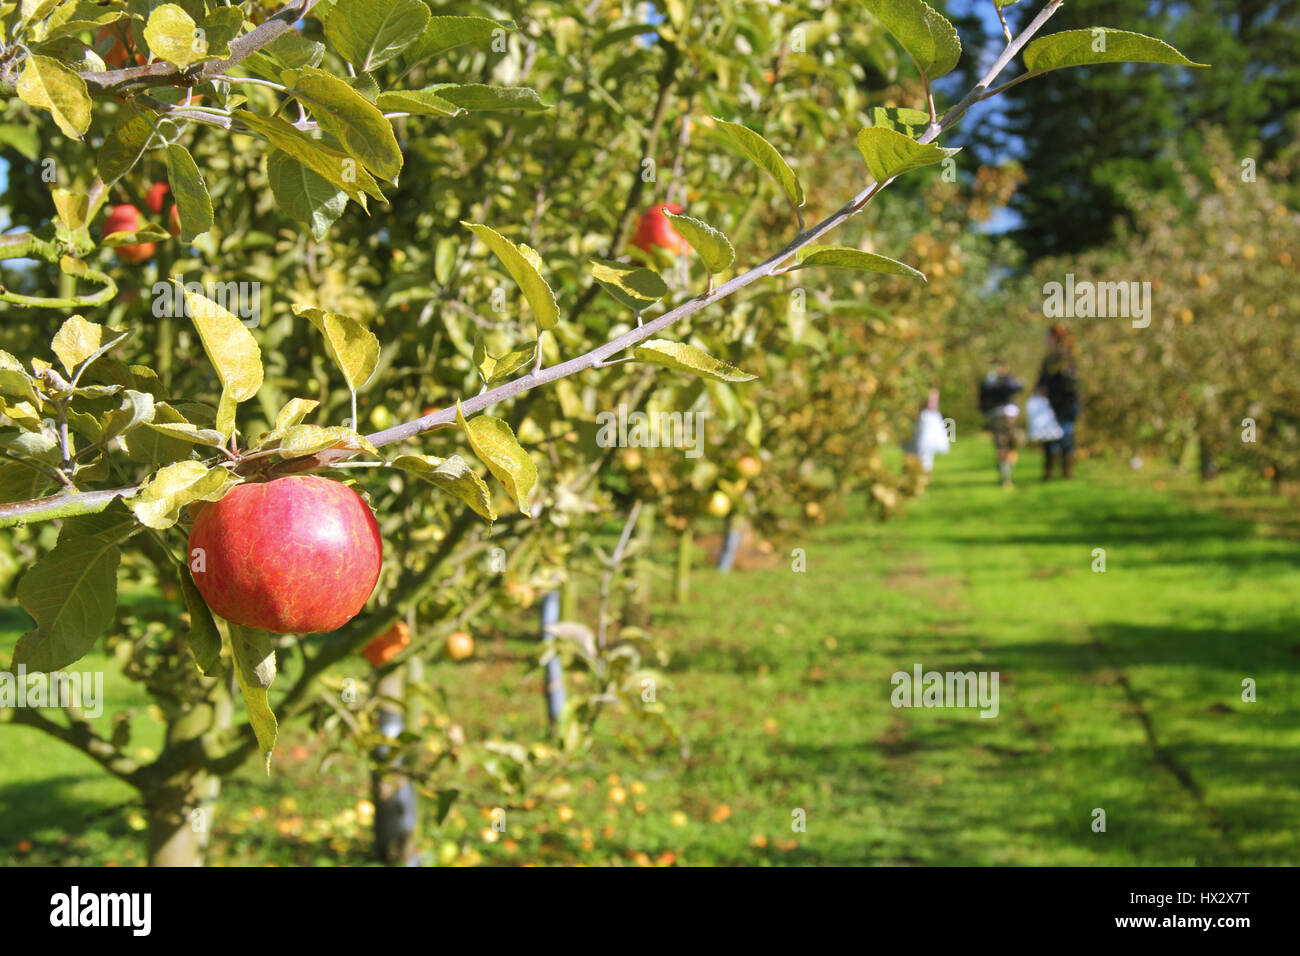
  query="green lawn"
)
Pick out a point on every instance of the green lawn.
point(1118, 690)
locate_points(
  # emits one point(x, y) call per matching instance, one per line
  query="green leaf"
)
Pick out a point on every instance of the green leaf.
point(191, 193)
point(21, 482)
point(744, 141)
point(333, 165)
point(71, 592)
point(47, 84)
point(221, 26)
point(452, 475)
point(352, 346)
point(304, 195)
point(173, 36)
point(901, 119)
point(417, 103)
point(159, 502)
point(293, 412)
point(1099, 45)
point(310, 439)
point(845, 257)
point(524, 266)
point(889, 154)
point(137, 409)
point(369, 33)
point(253, 654)
point(631, 285)
point(447, 33)
point(477, 96)
point(192, 434)
point(497, 368)
point(688, 358)
point(148, 232)
point(124, 146)
point(203, 637)
point(713, 248)
point(293, 51)
point(496, 446)
point(76, 341)
point(923, 32)
point(233, 351)
point(351, 119)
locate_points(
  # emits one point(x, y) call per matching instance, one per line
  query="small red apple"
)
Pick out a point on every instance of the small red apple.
point(126, 218)
point(654, 229)
point(297, 555)
point(115, 57)
point(387, 645)
point(174, 221)
point(155, 196)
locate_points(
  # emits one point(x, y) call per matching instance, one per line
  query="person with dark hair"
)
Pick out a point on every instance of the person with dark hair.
point(1058, 382)
point(997, 402)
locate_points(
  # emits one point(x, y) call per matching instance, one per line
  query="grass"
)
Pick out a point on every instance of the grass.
point(1119, 691)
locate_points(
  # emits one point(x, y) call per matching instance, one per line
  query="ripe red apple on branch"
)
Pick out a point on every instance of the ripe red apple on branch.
point(654, 230)
point(298, 555)
point(126, 218)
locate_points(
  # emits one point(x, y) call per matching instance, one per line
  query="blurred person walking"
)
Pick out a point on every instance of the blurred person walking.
point(1058, 382)
point(997, 402)
point(930, 435)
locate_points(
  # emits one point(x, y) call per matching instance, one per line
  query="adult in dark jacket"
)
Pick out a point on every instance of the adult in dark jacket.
point(1058, 382)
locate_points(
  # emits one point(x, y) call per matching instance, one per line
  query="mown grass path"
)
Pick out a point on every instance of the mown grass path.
point(1119, 691)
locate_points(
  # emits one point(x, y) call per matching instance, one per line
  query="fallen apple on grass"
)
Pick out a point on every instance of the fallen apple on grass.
point(297, 555)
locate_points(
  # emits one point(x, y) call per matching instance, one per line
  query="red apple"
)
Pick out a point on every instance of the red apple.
point(115, 56)
point(154, 197)
point(298, 555)
point(126, 218)
point(654, 229)
point(174, 221)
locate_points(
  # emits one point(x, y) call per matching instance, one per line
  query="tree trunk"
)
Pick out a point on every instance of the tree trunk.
point(180, 817)
point(180, 806)
point(682, 580)
point(392, 793)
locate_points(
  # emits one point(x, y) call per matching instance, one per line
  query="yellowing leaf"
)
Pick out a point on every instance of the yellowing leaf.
point(253, 654)
point(293, 412)
point(233, 351)
point(352, 120)
point(76, 341)
point(352, 346)
point(310, 439)
point(688, 358)
point(522, 264)
point(48, 85)
point(632, 285)
point(495, 445)
point(452, 475)
point(713, 248)
point(173, 36)
point(158, 504)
